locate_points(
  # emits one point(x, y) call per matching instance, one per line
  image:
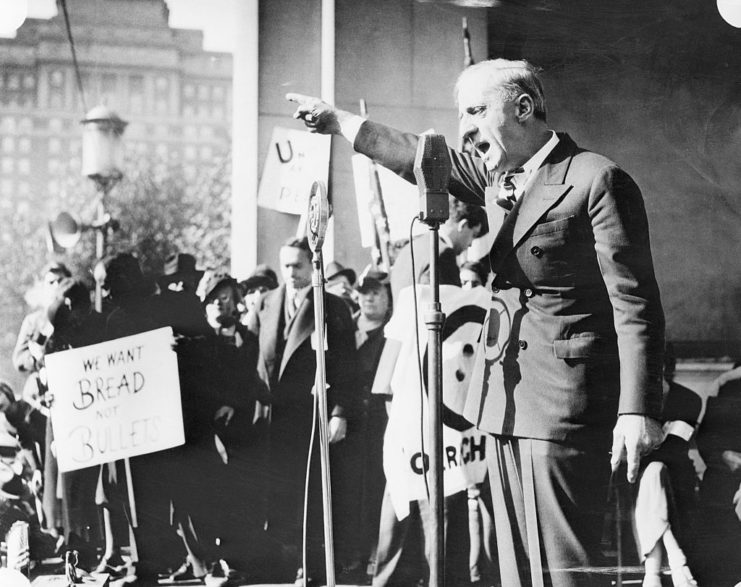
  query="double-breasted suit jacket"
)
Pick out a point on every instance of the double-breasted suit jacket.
point(572, 265)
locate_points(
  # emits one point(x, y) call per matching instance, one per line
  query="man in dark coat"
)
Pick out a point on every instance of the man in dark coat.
point(284, 323)
point(577, 349)
point(465, 223)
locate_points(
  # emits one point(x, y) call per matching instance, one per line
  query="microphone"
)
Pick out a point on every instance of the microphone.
point(318, 215)
point(432, 171)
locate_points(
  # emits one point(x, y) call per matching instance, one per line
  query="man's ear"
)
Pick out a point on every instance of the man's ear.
point(462, 224)
point(525, 107)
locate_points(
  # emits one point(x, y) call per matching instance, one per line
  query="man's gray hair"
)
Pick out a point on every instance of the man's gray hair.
point(508, 79)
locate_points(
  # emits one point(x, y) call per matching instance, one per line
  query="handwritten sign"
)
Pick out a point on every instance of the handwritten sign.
point(294, 161)
point(115, 400)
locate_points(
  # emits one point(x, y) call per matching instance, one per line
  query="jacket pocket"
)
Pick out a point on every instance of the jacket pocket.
point(552, 226)
point(581, 346)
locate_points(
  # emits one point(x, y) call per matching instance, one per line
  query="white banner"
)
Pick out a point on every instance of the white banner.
point(400, 199)
point(115, 400)
point(464, 447)
point(295, 159)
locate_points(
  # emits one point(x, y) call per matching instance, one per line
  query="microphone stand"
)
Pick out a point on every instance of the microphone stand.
point(432, 168)
point(317, 220)
point(435, 318)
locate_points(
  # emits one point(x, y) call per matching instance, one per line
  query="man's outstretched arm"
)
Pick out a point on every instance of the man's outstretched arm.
point(387, 146)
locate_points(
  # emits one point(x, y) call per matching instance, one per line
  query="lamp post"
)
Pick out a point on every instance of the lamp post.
point(102, 158)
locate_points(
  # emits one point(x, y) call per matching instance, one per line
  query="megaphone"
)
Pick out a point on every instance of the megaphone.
point(63, 233)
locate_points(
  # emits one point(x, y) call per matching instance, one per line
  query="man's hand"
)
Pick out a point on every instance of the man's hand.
point(224, 415)
point(634, 436)
point(318, 116)
point(337, 429)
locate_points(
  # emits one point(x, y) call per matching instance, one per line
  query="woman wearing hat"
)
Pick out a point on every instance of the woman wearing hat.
point(221, 501)
point(361, 478)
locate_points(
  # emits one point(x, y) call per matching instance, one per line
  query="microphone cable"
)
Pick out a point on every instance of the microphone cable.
point(419, 362)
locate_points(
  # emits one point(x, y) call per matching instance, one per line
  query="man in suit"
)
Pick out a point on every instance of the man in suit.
point(578, 352)
point(284, 323)
point(465, 223)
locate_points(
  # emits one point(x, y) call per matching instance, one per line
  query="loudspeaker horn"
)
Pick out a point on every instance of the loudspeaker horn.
point(64, 232)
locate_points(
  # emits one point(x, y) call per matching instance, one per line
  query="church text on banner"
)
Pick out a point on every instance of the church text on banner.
point(115, 400)
point(464, 446)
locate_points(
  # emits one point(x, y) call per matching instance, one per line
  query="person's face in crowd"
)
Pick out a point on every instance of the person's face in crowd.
point(295, 266)
point(222, 305)
point(374, 303)
point(470, 279)
point(252, 297)
point(50, 283)
point(464, 236)
point(492, 125)
point(100, 274)
point(340, 285)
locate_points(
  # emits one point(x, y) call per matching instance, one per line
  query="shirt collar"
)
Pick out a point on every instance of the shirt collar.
point(534, 163)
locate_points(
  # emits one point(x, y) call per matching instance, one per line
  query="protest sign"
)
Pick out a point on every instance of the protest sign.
point(294, 161)
point(406, 443)
point(115, 400)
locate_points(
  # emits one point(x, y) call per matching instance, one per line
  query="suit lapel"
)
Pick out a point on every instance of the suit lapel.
point(299, 329)
point(271, 323)
point(545, 191)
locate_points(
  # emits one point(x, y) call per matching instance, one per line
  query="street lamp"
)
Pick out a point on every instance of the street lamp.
point(102, 160)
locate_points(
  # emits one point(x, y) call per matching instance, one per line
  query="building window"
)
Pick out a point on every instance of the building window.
point(8, 124)
point(6, 187)
point(24, 166)
point(189, 152)
point(52, 165)
point(56, 78)
point(206, 153)
point(25, 125)
point(52, 186)
point(24, 145)
point(29, 81)
point(8, 165)
point(136, 94)
point(14, 81)
point(189, 91)
point(55, 145)
point(8, 145)
point(203, 92)
point(56, 125)
point(24, 188)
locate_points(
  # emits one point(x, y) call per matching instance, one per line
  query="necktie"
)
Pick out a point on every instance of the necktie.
point(291, 299)
point(506, 197)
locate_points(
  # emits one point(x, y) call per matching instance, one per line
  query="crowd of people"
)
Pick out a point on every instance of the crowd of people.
point(572, 387)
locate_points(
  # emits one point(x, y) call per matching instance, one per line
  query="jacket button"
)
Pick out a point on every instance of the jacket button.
point(494, 289)
point(529, 293)
point(537, 251)
point(522, 344)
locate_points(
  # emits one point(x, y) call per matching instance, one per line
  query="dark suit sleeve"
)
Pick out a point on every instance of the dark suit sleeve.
point(396, 150)
point(342, 370)
point(621, 242)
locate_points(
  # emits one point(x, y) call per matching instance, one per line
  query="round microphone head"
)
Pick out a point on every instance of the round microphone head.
point(318, 216)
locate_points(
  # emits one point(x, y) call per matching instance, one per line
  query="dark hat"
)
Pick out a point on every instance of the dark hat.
point(123, 275)
point(211, 281)
point(56, 267)
point(372, 278)
point(334, 269)
point(72, 294)
point(179, 267)
point(262, 276)
point(11, 484)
